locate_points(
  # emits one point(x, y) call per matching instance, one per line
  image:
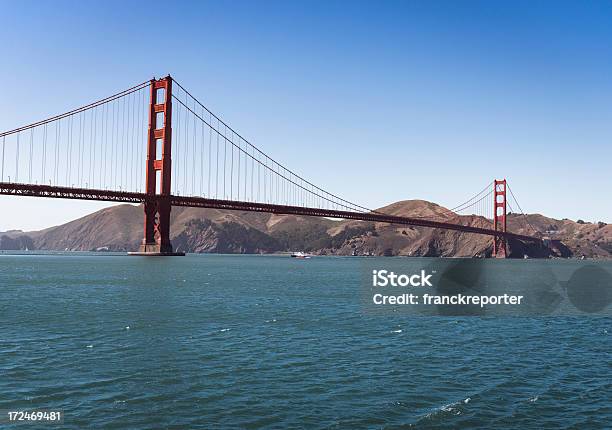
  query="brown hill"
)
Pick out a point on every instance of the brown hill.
point(119, 228)
point(113, 228)
point(593, 240)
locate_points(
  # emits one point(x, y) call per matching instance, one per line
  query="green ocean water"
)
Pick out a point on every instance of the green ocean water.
point(217, 341)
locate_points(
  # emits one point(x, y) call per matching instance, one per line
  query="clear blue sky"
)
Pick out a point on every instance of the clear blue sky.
point(376, 101)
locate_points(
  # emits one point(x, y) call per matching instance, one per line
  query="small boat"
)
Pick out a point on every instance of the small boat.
point(299, 254)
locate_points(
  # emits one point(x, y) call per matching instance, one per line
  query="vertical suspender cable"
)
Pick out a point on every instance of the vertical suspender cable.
point(92, 122)
point(202, 159)
point(112, 145)
point(127, 142)
point(58, 125)
point(3, 145)
point(103, 151)
point(17, 161)
point(217, 168)
point(186, 134)
point(80, 161)
point(224, 159)
point(92, 135)
point(258, 180)
point(177, 145)
point(193, 179)
point(209, 156)
point(123, 145)
point(232, 169)
point(132, 167)
point(31, 155)
point(44, 155)
point(239, 158)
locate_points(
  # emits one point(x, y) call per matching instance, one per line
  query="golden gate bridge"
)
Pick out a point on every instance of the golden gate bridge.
point(157, 145)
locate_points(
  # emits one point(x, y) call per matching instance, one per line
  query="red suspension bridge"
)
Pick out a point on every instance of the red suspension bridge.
point(156, 144)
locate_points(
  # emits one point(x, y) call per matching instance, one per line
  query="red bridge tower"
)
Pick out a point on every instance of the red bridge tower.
point(158, 171)
point(500, 246)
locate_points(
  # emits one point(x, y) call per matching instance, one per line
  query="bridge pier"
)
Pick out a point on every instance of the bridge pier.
point(157, 207)
point(500, 247)
point(156, 239)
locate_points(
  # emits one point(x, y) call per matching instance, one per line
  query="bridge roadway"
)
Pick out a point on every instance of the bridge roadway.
point(49, 191)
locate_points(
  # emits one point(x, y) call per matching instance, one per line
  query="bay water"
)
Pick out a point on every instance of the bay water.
point(238, 341)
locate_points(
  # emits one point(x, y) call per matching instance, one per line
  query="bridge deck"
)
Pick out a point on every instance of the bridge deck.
point(202, 202)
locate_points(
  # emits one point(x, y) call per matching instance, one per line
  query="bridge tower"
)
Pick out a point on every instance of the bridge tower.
point(500, 245)
point(157, 206)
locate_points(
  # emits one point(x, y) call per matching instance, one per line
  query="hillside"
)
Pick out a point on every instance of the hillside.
point(119, 228)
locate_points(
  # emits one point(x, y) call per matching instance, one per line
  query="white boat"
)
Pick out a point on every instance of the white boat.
point(299, 254)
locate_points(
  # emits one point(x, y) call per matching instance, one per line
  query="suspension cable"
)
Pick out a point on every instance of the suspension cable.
point(78, 110)
point(349, 204)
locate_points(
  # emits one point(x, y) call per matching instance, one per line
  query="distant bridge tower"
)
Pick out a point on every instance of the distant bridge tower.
point(158, 171)
point(500, 245)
